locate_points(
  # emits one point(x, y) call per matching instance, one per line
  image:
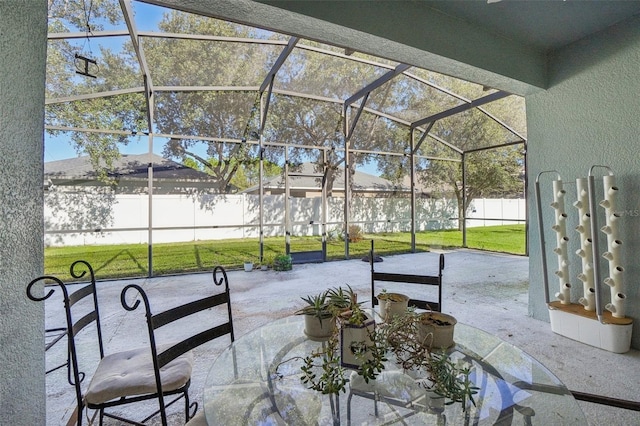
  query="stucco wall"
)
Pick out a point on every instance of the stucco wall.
point(22, 71)
point(590, 116)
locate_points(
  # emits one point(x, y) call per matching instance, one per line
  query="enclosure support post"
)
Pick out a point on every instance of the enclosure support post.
point(150, 209)
point(323, 229)
point(127, 13)
point(412, 160)
point(463, 215)
point(263, 119)
point(526, 202)
point(264, 110)
point(149, 97)
point(347, 137)
point(348, 129)
point(287, 206)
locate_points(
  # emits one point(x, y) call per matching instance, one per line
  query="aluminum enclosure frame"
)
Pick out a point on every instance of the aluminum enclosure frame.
point(352, 108)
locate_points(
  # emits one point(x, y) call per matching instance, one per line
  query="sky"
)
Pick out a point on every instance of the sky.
point(147, 18)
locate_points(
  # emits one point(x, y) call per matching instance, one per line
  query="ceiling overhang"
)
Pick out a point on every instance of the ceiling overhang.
point(430, 40)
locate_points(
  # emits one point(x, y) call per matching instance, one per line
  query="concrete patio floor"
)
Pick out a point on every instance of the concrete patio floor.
point(488, 291)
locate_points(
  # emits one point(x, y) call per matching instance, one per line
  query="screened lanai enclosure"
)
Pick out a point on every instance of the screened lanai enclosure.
point(169, 133)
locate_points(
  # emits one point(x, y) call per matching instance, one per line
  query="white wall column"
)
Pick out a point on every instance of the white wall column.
point(23, 41)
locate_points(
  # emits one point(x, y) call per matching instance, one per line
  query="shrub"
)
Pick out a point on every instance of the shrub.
point(355, 233)
point(282, 262)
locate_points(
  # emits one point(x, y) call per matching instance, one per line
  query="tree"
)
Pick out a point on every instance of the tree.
point(489, 172)
point(116, 72)
point(214, 114)
point(204, 125)
point(246, 174)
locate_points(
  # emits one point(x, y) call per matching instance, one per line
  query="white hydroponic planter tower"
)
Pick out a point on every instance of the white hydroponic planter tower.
point(587, 321)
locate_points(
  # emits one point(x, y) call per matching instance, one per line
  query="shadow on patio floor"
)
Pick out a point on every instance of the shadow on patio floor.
point(485, 290)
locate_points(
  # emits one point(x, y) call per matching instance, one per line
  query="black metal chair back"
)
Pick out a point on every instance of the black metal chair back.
point(163, 355)
point(129, 362)
point(76, 320)
point(433, 280)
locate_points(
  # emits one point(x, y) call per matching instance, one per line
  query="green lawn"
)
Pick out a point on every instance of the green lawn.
point(130, 260)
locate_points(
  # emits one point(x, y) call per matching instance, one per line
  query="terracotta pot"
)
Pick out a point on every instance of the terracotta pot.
point(392, 304)
point(319, 330)
point(435, 330)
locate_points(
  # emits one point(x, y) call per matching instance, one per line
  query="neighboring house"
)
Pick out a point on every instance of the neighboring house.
point(129, 174)
point(305, 182)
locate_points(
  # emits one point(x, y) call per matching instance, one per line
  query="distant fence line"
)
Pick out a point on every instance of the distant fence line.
point(73, 219)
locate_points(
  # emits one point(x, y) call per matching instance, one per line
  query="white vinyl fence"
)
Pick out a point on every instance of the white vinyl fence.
point(82, 218)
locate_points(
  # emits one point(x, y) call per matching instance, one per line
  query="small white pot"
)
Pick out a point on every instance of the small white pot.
point(435, 402)
point(248, 266)
point(354, 342)
point(319, 330)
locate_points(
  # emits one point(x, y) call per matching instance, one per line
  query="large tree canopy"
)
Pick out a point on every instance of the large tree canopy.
point(206, 105)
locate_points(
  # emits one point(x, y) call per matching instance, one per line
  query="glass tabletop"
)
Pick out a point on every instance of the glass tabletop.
point(256, 381)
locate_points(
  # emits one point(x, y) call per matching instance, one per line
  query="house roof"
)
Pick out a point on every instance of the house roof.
point(128, 166)
point(305, 177)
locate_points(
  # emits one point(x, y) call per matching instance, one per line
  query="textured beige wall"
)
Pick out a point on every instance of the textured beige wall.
point(590, 116)
point(22, 72)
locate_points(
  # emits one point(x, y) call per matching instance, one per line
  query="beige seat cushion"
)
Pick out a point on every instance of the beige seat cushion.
point(131, 373)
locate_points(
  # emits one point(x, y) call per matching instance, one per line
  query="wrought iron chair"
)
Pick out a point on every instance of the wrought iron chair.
point(432, 280)
point(141, 374)
point(52, 336)
point(359, 387)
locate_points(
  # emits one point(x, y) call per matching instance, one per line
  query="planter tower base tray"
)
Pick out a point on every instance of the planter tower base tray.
point(575, 322)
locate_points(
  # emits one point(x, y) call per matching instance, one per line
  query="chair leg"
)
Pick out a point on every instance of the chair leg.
point(187, 407)
point(375, 403)
point(76, 416)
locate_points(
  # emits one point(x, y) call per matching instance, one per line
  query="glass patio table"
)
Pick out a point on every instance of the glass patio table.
point(242, 387)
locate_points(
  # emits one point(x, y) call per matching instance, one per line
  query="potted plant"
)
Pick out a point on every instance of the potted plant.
point(447, 382)
point(267, 261)
point(435, 329)
point(392, 304)
point(282, 262)
point(248, 266)
point(320, 317)
point(417, 350)
point(324, 369)
point(357, 328)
